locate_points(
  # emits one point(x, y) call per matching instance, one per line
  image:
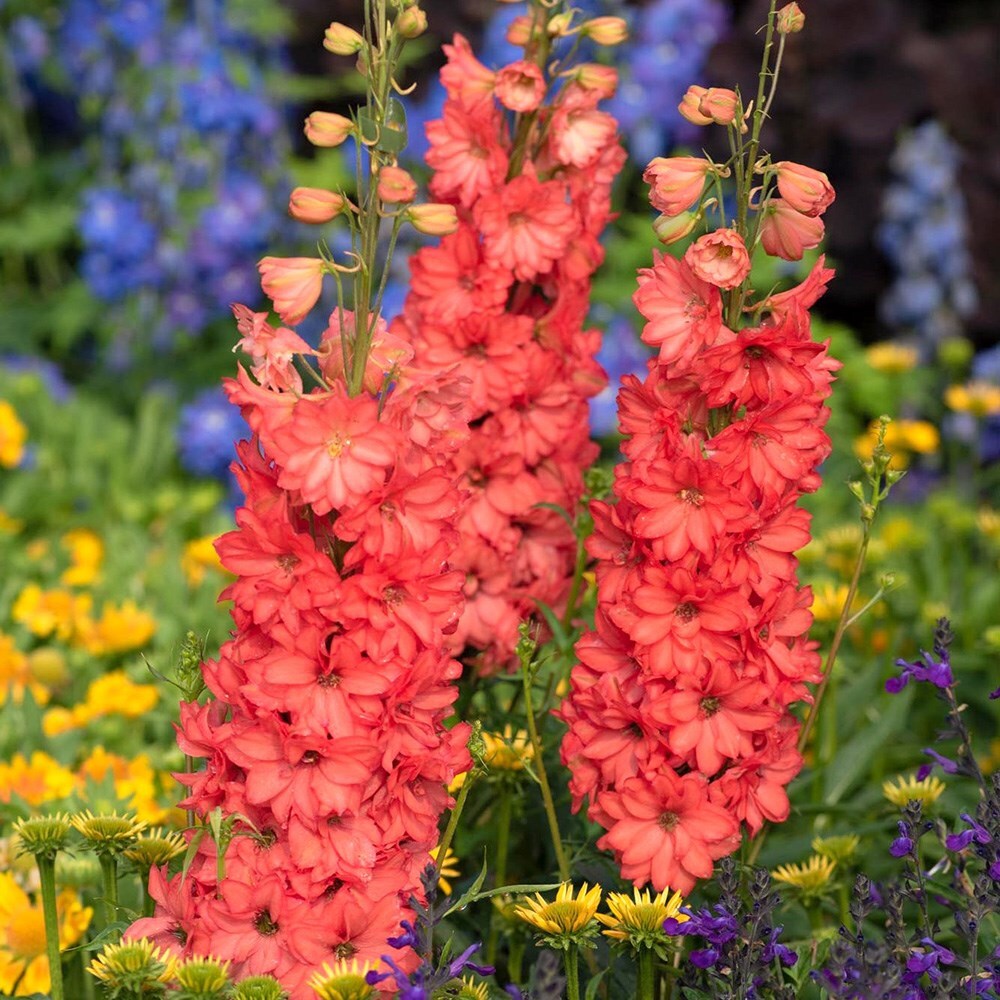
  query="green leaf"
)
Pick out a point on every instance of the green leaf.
point(595, 983)
point(469, 896)
point(856, 756)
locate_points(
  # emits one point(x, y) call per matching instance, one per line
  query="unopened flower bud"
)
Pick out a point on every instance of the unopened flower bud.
point(519, 31)
point(595, 76)
point(412, 22)
point(315, 205)
point(790, 19)
point(395, 185)
point(560, 25)
point(433, 219)
point(342, 40)
point(323, 128)
point(807, 190)
point(671, 228)
point(719, 104)
point(606, 30)
point(690, 106)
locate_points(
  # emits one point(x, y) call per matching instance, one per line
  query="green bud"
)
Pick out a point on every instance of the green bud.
point(43, 836)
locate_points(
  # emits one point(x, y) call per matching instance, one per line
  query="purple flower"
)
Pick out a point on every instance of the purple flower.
point(704, 958)
point(938, 674)
point(717, 930)
point(904, 843)
point(410, 938)
point(460, 964)
point(960, 841)
point(995, 694)
point(946, 765)
point(774, 949)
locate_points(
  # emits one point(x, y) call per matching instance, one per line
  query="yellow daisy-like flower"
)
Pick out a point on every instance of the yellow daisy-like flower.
point(449, 869)
point(156, 847)
point(829, 599)
point(810, 878)
point(980, 398)
point(59, 613)
point(38, 781)
point(891, 358)
point(132, 965)
point(13, 434)
point(86, 554)
point(906, 790)
point(135, 782)
point(115, 693)
point(902, 438)
point(839, 848)
point(107, 833)
point(24, 963)
point(508, 751)
point(15, 675)
point(344, 981)
point(120, 628)
point(565, 917)
point(199, 555)
point(639, 919)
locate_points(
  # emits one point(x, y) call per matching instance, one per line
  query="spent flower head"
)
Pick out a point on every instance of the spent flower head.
point(156, 847)
point(837, 848)
point(259, 988)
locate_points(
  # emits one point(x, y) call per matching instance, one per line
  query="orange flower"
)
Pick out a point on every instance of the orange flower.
point(720, 258)
point(293, 284)
point(675, 182)
point(315, 205)
point(786, 233)
point(806, 190)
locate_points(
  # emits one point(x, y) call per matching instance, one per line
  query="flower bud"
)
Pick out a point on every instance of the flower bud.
point(560, 25)
point(675, 182)
point(595, 76)
point(786, 233)
point(395, 185)
point(719, 104)
point(315, 205)
point(690, 106)
point(293, 284)
point(519, 31)
point(806, 190)
point(323, 128)
point(671, 228)
point(412, 22)
point(790, 19)
point(342, 40)
point(433, 219)
point(606, 30)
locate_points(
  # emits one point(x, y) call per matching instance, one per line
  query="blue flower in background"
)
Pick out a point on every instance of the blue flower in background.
point(206, 431)
point(923, 236)
point(621, 353)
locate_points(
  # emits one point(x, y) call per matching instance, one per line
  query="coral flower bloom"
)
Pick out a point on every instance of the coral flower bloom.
point(333, 449)
point(675, 182)
point(720, 258)
point(806, 190)
point(665, 829)
point(520, 86)
point(293, 284)
point(786, 233)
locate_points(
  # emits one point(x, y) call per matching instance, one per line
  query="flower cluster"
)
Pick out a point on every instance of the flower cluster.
point(325, 746)
point(527, 159)
point(923, 234)
point(679, 720)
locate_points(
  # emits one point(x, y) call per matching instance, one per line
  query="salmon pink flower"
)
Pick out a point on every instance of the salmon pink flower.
point(665, 830)
point(273, 351)
point(720, 258)
point(323, 128)
point(675, 182)
point(580, 133)
point(719, 105)
point(787, 233)
point(520, 86)
point(467, 159)
point(467, 81)
point(690, 106)
point(315, 205)
point(804, 189)
point(396, 186)
point(293, 284)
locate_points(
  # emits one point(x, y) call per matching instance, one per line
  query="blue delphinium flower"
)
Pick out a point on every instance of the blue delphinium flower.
point(622, 353)
point(923, 235)
point(207, 428)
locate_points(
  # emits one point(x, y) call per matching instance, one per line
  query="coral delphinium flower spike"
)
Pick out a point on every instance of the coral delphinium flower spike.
point(326, 757)
point(680, 728)
point(527, 159)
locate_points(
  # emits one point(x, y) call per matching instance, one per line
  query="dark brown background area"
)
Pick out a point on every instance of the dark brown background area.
point(860, 72)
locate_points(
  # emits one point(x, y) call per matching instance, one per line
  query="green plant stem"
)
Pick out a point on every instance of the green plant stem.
point(515, 958)
point(500, 869)
point(456, 813)
point(572, 966)
point(47, 877)
point(574, 590)
point(543, 780)
point(109, 869)
point(647, 974)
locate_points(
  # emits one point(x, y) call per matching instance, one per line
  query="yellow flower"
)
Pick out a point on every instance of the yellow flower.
point(13, 434)
point(455, 785)
point(24, 963)
point(50, 612)
point(565, 916)
point(449, 869)
point(9, 525)
point(988, 522)
point(58, 720)
point(902, 438)
point(135, 783)
point(202, 976)
point(839, 848)
point(809, 878)
point(639, 920)
point(119, 629)
point(198, 556)
point(829, 599)
point(86, 553)
point(925, 792)
point(891, 358)
point(981, 398)
point(107, 833)
point(15, 675)
point(901, 533)
point(508, 751)
point(132, 966)
point(115, 693)
point(344, 981)
point(38, 781)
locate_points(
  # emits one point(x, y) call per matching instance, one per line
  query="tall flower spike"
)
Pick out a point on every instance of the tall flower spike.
point(527, 158)
point(326, 755)
point(680, 729)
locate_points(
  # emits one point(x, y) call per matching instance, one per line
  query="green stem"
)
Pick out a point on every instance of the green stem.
point(647, 975)
point(109, 869)
point(47, 876)
point(515, 958)
point(500, 874)
point(543, 780)
point(574, 590)
point(456, 813)
point(572, 973)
